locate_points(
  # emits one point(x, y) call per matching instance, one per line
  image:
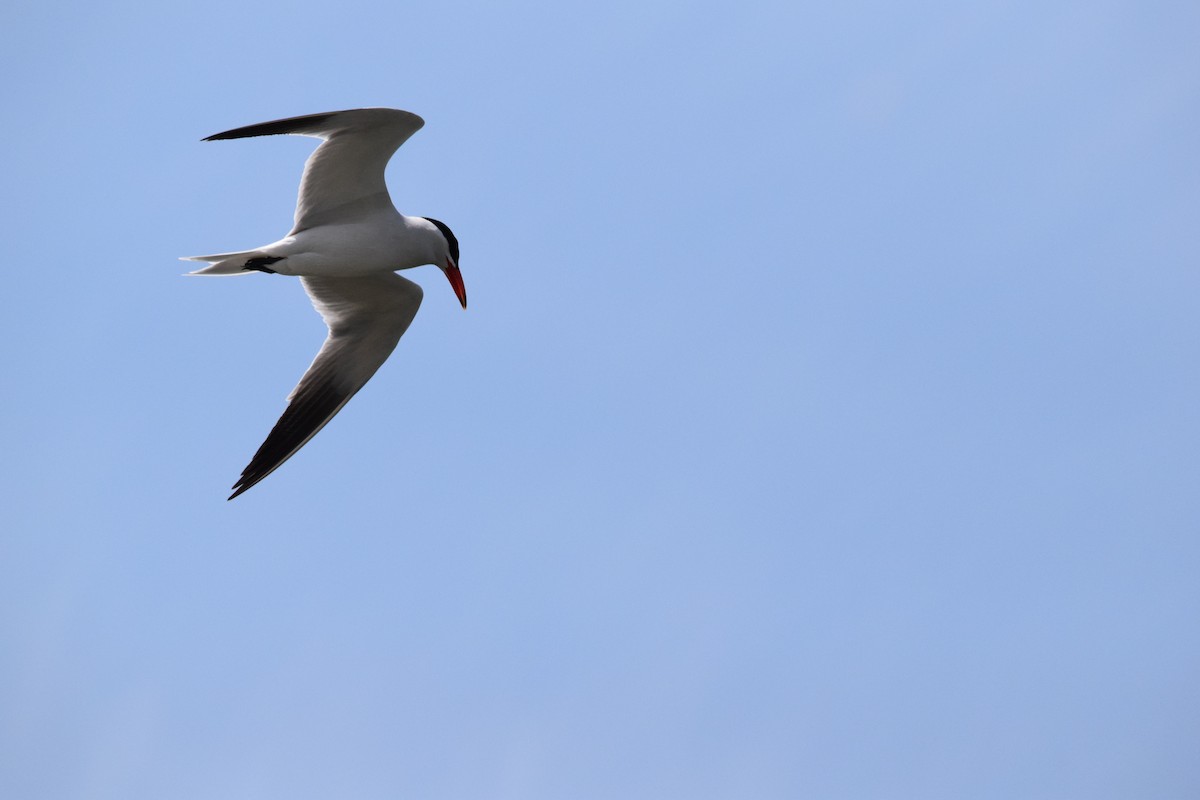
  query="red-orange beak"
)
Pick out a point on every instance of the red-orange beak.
point(455, 278)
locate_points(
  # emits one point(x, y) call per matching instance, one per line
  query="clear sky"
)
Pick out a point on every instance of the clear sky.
point(824, 423)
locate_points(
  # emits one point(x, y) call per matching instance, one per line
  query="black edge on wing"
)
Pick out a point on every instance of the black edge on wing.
point(289, 125)
point(313, 406)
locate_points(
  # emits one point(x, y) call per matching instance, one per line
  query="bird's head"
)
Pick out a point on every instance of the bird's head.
point(449, 260)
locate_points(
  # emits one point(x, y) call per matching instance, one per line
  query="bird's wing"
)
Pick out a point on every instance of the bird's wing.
point(366, 318)
point(343, 179)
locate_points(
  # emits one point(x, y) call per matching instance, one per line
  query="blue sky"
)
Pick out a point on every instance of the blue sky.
point(824, 423)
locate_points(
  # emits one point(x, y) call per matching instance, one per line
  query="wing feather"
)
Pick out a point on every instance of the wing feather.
point(366, 317)
point(344, 175)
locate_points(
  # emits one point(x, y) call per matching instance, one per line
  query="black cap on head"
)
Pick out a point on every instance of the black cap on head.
point(450, 238)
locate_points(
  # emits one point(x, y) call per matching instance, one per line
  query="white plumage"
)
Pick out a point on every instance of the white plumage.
point(347, 242)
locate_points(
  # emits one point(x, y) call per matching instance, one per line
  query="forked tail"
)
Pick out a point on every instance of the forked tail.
point(234, 263)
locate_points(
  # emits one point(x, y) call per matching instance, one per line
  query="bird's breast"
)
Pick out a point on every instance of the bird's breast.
point(360, 248)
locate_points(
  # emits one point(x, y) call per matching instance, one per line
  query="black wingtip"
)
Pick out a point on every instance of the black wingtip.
point(313, 406)
point(250, 479)
point(289, 125)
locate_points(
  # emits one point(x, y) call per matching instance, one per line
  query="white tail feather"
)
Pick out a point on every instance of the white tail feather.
point(224, 263)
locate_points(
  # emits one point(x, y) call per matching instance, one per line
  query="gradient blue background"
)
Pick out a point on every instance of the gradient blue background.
point(824, 423)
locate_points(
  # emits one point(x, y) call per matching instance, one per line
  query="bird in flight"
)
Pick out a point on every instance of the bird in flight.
point(346, 245)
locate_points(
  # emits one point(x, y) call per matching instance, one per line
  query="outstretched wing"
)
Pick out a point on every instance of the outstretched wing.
point(343, 178)
point(366, 318)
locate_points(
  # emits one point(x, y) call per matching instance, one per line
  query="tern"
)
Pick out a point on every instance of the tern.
point(346, 245)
